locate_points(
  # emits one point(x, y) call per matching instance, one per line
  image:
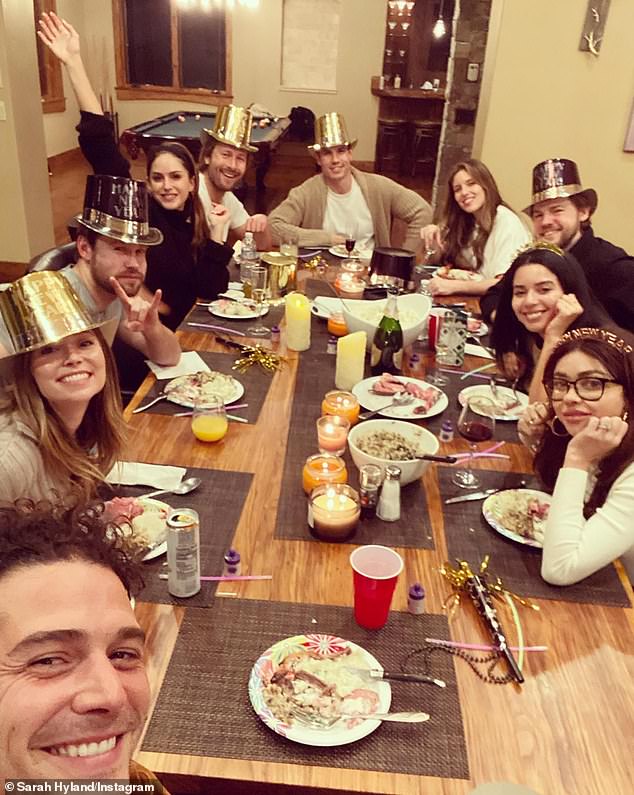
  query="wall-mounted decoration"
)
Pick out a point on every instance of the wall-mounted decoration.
point(628, 146)
point(594, 25)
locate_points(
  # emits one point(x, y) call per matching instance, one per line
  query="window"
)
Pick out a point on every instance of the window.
point(51, 84)
point(172, 49)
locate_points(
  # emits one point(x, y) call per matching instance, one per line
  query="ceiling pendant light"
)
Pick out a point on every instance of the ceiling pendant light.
point(439, 29)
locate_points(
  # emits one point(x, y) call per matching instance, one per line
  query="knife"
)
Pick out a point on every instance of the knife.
point(477, 495)
point(376, 673)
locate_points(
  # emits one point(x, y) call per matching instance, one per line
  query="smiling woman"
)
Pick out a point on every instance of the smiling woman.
point(60, 413)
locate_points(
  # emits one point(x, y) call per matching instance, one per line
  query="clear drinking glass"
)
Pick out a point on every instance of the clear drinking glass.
point(258, 277)
point(434, 376)
point(209, 420)
point(289, 246)
point(475, 424)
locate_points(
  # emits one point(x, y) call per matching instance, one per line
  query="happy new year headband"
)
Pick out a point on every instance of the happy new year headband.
point(609, 337)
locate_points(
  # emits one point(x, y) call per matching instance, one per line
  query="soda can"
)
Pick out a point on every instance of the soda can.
point(183, 552)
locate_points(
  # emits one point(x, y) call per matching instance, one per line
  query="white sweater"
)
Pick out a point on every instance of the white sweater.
point(575, 547)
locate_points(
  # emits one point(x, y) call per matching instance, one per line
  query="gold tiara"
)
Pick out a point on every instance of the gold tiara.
point(609, 337)
point(540, 244)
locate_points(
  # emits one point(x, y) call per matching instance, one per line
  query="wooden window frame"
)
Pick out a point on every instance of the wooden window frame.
point(128, 91)
point(53, 101)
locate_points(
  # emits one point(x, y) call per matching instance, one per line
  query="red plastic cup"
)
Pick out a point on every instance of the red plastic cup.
point(433, 326)
point(375, 571)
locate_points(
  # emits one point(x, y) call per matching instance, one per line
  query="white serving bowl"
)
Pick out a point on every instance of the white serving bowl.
point(412, 303)
point(410, 470)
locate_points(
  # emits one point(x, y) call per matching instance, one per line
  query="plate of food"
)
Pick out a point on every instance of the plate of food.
point(509, 405)
point(427, 400)
point(360, 251)
point(477, 327)
point(186, 390)
point(519, 514)
point(447, 272)
point(144, 522)
point(236, 310)
point(324, 306)
point(310, 675)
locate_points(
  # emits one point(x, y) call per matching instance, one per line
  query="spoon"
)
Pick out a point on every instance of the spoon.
point(400, 399)
point(184, 487)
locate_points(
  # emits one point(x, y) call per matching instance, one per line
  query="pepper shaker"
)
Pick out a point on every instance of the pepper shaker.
point(389, 507)
point(446, 431)
point(370, 477)
point(231, 563)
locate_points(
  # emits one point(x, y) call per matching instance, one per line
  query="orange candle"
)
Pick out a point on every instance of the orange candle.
point(342, 404)
point(323, 468)
point(337, 325)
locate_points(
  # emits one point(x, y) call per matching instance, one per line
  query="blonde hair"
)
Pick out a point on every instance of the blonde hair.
point(80, 463)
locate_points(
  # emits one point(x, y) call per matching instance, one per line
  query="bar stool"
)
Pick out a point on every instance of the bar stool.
point(390, 143)
point(425, 141)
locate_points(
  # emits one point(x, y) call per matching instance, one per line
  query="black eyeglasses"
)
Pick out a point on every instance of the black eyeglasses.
point(587, 388)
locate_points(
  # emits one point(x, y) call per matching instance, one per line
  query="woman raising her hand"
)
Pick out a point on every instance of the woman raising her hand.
point(585, 450)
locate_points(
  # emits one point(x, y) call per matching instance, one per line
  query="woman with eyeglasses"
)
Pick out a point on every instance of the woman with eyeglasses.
point(584, 445)
point(543, 294)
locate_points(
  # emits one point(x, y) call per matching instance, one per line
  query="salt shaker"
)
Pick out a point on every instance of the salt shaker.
point(446, 431)
point(416, 599)
point(231, 563)
point(389, 507)
point(332, 345)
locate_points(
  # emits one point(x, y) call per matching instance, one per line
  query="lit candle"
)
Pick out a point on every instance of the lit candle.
point(333, 512)
point(349, 286)
point(342, 404)
point(332, 433)
point(323, 468)
point(297, 322)
point(350, 360)
point(352, 266)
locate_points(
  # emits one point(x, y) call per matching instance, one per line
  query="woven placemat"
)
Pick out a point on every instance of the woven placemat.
point(203, 707)
point(469, 537)
point(218, 501)
point(505, 430)
point(315, 376)
point(255, 381)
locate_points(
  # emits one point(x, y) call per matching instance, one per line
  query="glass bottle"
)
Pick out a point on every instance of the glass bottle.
point(386, 355)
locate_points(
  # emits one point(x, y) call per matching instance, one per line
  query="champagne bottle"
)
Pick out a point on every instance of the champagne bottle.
point(387, 347)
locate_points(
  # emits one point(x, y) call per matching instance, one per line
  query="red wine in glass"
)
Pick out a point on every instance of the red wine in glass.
point(350, 244)
point(476, 424)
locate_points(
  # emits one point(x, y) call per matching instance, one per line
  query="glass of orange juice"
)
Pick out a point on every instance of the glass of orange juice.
point(209, 420)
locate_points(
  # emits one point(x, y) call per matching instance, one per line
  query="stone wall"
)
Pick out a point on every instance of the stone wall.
point(470, 30)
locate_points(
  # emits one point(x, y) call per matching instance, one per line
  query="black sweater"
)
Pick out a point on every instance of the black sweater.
point(610, 273)
point(180, 271)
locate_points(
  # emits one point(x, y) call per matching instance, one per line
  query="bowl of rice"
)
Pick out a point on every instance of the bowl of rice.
point(385, 442)
point(413, 310)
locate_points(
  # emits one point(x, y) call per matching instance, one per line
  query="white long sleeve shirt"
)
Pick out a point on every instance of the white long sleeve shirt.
point(575, 547)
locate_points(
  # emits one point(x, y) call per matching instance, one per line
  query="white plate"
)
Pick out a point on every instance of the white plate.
point(324, 645)
point(370, 401)
point(481, 332)
point(484, 390)
point(494, 516)
point(237, 393)
point(359, 253)
point(159, 548)
point(216, 310)
point(459, 274)
point(324, 306)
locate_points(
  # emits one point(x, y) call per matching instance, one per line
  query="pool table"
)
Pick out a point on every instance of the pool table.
point(168, 128)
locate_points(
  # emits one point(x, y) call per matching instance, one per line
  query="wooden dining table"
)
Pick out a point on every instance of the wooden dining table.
point(563, 732)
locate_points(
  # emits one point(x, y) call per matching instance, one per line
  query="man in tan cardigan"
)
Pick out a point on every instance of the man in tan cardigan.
point(344, 202)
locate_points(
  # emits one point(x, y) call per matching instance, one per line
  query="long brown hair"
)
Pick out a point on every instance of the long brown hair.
point(460, 225)
point(620, 366)
point(84, 460)
point(197, 212)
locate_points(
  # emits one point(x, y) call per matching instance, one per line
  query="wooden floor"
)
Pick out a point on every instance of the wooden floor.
point(291, 166)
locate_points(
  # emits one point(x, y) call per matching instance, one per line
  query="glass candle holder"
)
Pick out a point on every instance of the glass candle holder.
point(341, 404)
point(323, 468)
point(332, 434)
point(333, 512)
point(337, 325)
point(353, 266)
point(349, 286)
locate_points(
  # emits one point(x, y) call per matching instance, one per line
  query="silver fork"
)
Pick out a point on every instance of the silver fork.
point(313, 721)
point(400, 399)
point(494, 387)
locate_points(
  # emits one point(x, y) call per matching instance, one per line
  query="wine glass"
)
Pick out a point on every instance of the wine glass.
point(258, 278)
point(475, 424)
